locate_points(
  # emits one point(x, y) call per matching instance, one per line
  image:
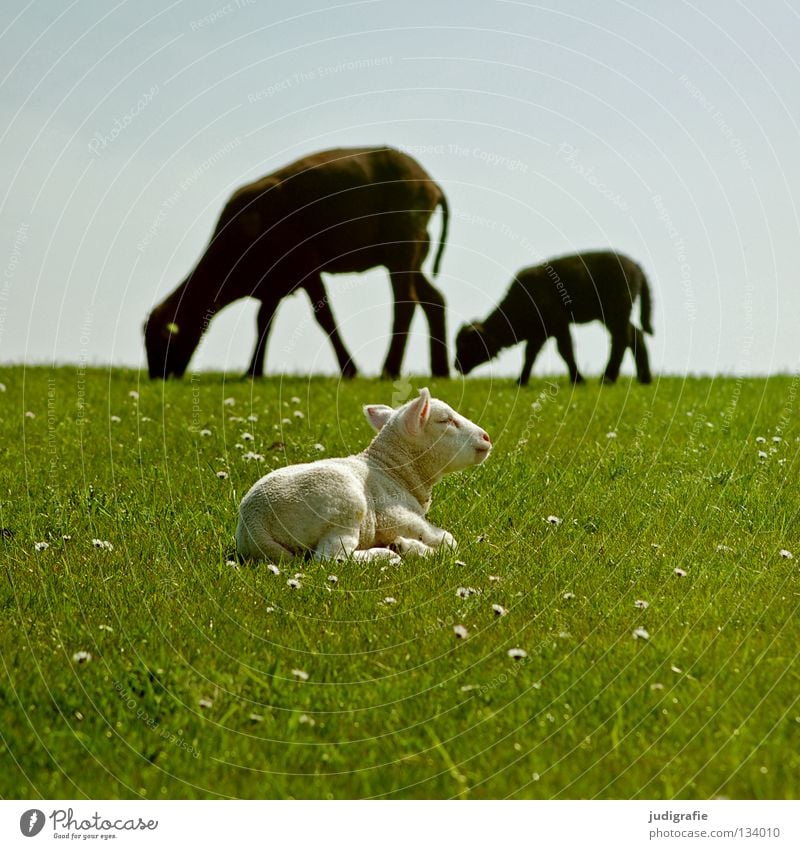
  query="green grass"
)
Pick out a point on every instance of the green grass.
point(190, 690)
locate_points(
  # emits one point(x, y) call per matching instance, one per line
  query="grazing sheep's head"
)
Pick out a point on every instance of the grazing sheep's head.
point(169, 345)
point(474, 345)
point(431, 429)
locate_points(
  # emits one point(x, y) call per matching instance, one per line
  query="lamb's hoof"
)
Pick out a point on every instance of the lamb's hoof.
point(608, 381)
point(648, 378)
point(449, 540)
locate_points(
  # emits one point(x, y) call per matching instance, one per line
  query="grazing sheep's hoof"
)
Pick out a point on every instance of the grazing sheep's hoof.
point(609, 381)
point(349, 371)
point(648, 378)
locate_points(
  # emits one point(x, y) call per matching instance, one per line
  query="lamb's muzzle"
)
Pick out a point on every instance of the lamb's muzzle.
point(369, 505)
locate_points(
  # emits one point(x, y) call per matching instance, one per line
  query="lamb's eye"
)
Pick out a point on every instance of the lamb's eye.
point(453, 422)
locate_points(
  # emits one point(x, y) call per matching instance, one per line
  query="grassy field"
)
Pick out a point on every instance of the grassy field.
point(196, 681)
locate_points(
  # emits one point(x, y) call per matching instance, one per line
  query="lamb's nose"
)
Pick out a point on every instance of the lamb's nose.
point(485, 438)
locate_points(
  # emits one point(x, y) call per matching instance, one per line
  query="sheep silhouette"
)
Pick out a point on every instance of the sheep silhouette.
point(337, 211)
point(545, 299)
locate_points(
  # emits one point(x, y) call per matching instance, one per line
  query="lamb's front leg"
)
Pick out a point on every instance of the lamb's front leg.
point(418, 531)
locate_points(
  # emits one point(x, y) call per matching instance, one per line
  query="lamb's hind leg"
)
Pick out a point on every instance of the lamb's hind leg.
point(254, 543)
point(338, 546)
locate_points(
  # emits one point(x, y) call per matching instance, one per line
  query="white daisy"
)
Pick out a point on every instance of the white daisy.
point(205, 703)
point(252, 455)
point(133, 394)
point(517, 654)
point(41, 546)
point(102, 544)
point(499, 610)
point(273, 568)
point(641, 634)
point(222, 475)
point(293, 583)
point(390, 600)
point(786, 554)
point(248, 437)
point(641, 604)
point(116, 419)
point(568, 596)
point(229, 402)
point(679, 572)
point(554, 520)
point(81, 657)
point(333, 579)
point(319, 447)
point(205, 432)
point(300, 674)
point(461, 632)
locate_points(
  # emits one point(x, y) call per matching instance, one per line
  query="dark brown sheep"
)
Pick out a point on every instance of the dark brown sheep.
point(544, 300)
point(336, 211)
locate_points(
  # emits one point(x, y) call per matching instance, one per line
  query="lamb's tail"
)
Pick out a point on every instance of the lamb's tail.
point(645, 305)
point(443, 237)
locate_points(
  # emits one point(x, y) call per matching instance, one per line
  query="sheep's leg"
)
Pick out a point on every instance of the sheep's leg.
point(339, 546)
point(404, 305)
point(532, 349)
point(637, 345)
point(564, 340)
point(432, 302)
point(619, 342)
point(266, 313)
point(320, 304)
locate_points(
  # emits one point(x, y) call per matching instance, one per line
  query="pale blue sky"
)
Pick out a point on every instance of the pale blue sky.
point(667, 130)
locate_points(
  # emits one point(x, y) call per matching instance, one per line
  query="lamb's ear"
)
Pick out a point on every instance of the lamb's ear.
point(417, 412)
point(377, 414)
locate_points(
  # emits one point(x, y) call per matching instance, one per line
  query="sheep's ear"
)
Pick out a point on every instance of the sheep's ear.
point(377, 415)
point(418, 412)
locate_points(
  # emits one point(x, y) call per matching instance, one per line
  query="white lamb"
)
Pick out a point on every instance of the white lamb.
point(358, 506)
